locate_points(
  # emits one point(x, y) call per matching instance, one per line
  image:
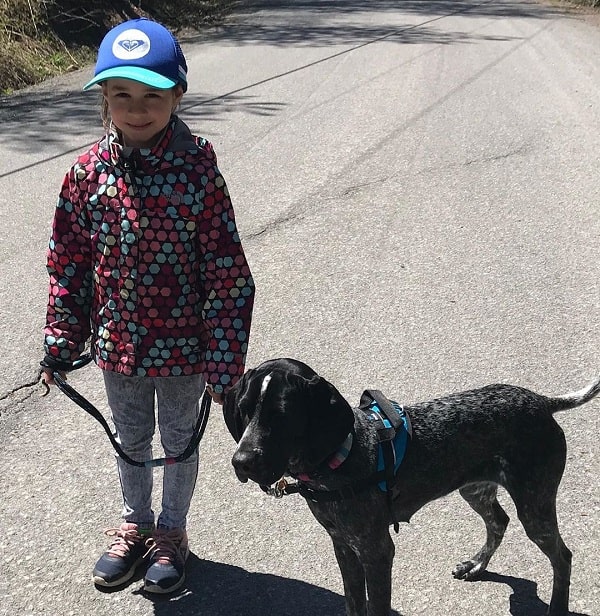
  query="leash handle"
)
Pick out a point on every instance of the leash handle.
point(90, 409)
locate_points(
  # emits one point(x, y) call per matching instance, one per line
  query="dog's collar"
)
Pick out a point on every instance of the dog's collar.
point(334, 461)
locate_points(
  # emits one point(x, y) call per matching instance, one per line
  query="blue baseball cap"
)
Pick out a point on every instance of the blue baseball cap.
point(141, 50)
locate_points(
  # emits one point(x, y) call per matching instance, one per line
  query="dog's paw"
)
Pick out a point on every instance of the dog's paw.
point(468, 570)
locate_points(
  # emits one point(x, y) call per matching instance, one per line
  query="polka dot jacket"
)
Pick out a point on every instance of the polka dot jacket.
point(146, 259)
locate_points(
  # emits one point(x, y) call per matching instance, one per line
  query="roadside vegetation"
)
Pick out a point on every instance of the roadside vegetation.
point(44, 38)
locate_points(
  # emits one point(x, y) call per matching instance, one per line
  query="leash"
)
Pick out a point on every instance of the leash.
point(89, 408)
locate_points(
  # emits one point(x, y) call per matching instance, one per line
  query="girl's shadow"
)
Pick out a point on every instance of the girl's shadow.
point(225, 590)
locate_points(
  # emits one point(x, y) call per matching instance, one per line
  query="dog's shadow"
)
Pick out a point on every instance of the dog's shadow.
point(225, 590)
point(524, 600)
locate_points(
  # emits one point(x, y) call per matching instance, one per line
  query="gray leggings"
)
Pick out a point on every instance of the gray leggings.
point(132, 401)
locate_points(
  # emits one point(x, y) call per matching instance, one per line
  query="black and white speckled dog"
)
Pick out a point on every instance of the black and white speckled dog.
point(289, 421)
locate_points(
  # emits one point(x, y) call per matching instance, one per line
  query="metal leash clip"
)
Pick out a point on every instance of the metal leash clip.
point(278, 489)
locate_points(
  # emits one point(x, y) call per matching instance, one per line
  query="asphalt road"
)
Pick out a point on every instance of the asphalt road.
point(417, 188)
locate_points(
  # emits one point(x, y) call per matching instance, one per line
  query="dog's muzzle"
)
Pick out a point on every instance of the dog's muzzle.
point(251, 464)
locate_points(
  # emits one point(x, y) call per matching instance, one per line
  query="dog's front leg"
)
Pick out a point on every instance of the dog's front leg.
point(377, 560)
point(353, 577)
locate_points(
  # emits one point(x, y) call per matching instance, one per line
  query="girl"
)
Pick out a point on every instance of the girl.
point(145, 259)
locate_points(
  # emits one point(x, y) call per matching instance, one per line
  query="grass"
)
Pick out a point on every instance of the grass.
point(44, 38)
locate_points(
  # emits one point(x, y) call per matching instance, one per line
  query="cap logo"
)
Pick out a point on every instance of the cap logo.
point(132, 44)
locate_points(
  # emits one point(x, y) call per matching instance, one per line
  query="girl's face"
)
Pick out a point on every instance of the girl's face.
point(140, 112)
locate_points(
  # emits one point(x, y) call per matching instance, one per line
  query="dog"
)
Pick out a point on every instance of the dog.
point(289, 421)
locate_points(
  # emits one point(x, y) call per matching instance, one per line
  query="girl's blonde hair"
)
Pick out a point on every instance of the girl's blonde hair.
point(105, 114)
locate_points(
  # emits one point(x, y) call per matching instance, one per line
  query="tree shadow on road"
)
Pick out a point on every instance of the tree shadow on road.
point(506, 8)
point(36, 123)
point(323, 26)
point(524, 600)
point(41, 119)
point(49, 123)
point(225, 590)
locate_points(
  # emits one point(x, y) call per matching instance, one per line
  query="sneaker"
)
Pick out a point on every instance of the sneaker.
point(168, 552)
point(126, 551)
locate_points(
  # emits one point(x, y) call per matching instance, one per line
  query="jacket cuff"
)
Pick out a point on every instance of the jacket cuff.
point(56, 365)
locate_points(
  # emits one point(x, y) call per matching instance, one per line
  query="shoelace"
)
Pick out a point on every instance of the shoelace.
point(123, 541)
point(164, 546)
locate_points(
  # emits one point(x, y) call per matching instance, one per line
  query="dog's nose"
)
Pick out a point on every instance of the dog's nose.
point(244, 462)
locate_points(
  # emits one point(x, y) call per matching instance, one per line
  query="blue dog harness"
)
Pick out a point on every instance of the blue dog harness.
point(393, 429)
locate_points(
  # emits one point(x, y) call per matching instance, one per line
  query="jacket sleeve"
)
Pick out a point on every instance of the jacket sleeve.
point(228, 287)
point(69, 267)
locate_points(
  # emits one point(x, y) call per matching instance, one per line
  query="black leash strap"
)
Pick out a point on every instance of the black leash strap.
point(89, 408)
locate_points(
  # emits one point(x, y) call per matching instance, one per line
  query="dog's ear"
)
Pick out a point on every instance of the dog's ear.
point(330, 419)
point(231, 410)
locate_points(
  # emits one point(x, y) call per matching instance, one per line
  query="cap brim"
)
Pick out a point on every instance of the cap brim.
point(135, 73)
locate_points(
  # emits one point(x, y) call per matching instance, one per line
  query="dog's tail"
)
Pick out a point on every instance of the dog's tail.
point(576, 398)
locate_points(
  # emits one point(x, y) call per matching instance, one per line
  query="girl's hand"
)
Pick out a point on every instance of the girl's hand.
point(218, 398)
point(47, 377)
